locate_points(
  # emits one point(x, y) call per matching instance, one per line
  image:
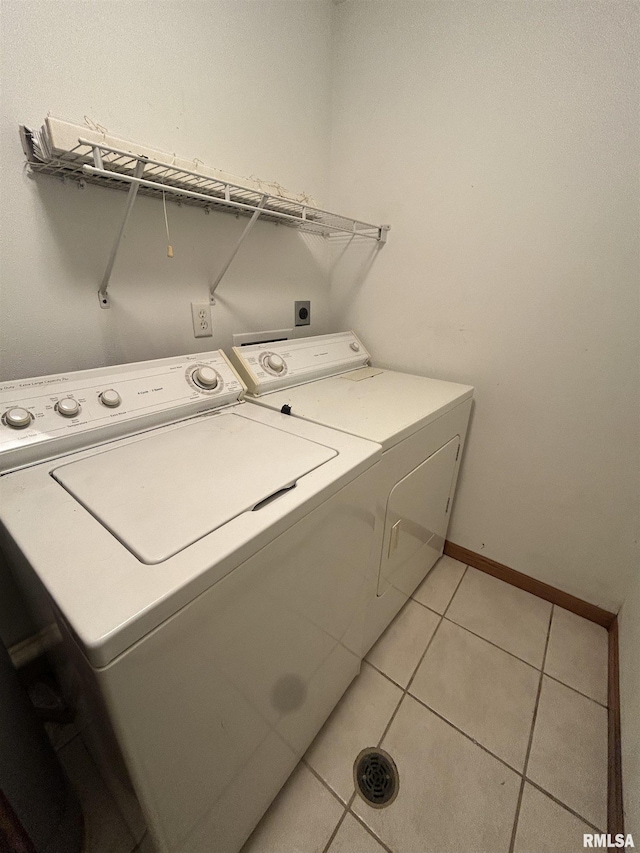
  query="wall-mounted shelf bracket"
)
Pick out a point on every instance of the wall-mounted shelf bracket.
point(234, 251)
point(64, 150)
point(103, 296)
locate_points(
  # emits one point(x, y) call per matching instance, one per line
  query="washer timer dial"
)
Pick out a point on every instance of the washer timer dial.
point(206, 378)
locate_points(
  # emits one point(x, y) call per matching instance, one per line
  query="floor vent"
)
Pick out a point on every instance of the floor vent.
point(376, 777)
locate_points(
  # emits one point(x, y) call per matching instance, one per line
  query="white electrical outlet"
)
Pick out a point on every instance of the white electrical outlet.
point(201, 316)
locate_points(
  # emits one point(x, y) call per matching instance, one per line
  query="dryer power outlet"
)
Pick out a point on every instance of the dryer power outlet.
point(303, 313)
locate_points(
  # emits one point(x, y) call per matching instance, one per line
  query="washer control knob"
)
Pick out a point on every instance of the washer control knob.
point(17, 418)
point(110, 398)
point(68, 407)
point(355, 346)
point(205, 377)
point(272, 361)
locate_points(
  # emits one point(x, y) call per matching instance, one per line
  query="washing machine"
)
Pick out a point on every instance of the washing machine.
point(205, 560)
point(420, 423)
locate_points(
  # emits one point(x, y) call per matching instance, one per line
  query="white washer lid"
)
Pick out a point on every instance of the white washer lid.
point(164, 492)
point(380, 405)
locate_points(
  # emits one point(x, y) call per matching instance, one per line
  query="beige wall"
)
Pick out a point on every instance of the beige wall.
point(242, 86)
point(500, 140)
point(629, 628)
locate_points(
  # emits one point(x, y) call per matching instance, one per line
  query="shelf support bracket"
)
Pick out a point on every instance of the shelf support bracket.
point(234, 251)
point(103, 296)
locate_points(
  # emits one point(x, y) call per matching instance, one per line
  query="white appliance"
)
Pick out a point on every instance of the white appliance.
point(206, 562)
point(420, 423)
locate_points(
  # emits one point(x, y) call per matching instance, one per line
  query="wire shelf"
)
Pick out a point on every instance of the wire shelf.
point(103, 165)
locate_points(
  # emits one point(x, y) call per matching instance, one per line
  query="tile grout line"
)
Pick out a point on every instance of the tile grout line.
point(391, 719)
point(575, 690)
point(520, 773)
point(348, 809)
point(405, 690)
point(335, 831)
point(324, 783)
point(370, 831)
point(564, 805)
point(448, 722)
point(384, 675)
point(522, 660)
point(339, 824)
point(491, 643)
point(467, 736)
point(464, 627)
point(346, 806)
point(533, 726)
point(507, 652)
point(426, 606)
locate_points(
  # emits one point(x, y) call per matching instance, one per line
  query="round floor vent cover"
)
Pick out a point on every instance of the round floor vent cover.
point(376, 777)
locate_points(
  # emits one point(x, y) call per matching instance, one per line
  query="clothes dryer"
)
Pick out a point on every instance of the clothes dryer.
point(205, 560)
point(420, 423)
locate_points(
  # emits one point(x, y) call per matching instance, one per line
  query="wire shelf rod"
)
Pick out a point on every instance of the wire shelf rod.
point(103, 296)
point(234, 251)
point(150, 162)
point(155, 185)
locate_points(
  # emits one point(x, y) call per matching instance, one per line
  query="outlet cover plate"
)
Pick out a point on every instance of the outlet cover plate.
point(303, 313)
point(201, 317)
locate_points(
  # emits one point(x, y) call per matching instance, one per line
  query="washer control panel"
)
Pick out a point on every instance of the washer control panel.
point(45, 415)
point(280, 364)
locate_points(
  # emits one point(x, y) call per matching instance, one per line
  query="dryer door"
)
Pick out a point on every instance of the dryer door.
point(416, 521)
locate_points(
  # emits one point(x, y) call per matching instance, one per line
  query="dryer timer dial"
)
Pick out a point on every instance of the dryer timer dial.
point(273, 362)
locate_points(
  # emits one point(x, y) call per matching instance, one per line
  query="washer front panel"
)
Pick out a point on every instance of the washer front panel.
point(109, 401)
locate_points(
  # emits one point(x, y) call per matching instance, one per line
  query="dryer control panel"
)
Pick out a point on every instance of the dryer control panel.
point(281, 364)
point(47, 415)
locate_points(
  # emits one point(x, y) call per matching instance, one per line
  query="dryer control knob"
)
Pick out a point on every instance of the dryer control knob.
point(355, 346)
point(205, 377)
point(68, 407)
point(274, 362)
point(17, 418)
point(110, 398)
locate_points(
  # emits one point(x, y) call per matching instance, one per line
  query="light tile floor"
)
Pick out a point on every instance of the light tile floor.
point(492, 703)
